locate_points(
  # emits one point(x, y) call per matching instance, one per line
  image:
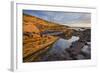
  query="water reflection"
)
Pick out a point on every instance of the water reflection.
point(61, 44)
point(57, 50)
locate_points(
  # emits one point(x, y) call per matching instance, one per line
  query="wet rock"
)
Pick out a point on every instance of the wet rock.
point(75, 48)
point(86, 49)
point(57, 57)
point(80, 56)
point(86, 35)
point(88, 43)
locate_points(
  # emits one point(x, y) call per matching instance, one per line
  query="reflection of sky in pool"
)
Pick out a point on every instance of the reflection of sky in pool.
point(62, 44)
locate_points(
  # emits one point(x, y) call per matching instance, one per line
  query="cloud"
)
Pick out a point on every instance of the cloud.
point(61, 17)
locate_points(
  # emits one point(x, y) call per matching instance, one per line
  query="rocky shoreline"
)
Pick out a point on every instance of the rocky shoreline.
point(79, 50)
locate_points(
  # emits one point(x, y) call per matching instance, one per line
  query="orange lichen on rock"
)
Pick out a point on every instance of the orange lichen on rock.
point(33, 46)
point(30, 28)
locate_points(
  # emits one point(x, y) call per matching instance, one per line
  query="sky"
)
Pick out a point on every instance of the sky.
point(61, 17)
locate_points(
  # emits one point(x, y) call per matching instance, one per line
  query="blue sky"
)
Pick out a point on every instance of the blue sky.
point(61, 17)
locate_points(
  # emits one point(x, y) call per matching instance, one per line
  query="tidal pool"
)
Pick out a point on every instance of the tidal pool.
point(57, 50)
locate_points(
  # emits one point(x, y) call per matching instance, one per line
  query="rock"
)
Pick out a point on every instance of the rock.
point(88, 43)
point(86, 49)
point(80, 56)
point(76, 48)
point(56, 57)
point(86, 35)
